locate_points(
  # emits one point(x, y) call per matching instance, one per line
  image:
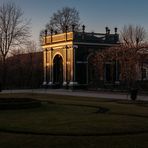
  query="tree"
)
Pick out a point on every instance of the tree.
point(133, 36)
point(132, 52)
point(14, 31)
point(129, 54)
point(65, 17)
point(125, 60)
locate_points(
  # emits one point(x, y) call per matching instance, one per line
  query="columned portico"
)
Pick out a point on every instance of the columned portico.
point(66, 57)
point(65, 50)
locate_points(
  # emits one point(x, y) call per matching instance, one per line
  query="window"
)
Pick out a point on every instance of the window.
point(144, 73)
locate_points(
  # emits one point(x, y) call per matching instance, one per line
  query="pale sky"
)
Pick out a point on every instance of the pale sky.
point(94, 14)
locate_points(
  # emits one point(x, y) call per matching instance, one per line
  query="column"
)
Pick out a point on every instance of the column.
point(45, 66)
point(50, 67)
point(73, 67)
point(65, 67)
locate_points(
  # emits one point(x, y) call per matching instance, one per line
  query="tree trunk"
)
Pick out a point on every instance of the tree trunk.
point(4, 72)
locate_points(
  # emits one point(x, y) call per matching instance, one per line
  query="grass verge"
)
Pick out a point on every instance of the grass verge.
point(68, 121)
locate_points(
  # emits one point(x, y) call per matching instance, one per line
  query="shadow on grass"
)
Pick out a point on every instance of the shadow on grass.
point(18, 103)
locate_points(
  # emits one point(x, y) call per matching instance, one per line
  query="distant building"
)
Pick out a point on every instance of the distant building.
point(67, 57)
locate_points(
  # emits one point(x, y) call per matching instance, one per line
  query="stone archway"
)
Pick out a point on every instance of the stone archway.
point(58, 70)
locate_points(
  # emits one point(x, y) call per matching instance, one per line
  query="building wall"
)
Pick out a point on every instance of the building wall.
point(75, 50)
point(66, 53)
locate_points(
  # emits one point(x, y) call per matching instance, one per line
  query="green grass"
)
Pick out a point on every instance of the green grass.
point(69, 122)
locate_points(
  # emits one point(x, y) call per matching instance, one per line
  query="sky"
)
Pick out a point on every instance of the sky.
point(94, 14)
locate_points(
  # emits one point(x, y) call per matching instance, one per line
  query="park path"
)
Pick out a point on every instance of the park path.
point(96, 94)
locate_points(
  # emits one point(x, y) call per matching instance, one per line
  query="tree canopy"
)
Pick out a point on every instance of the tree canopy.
point(63, 19)
point(133, 35)
point(131, 53)
point(14, 31)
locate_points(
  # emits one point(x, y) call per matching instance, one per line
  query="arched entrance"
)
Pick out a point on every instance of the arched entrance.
point(58, 70)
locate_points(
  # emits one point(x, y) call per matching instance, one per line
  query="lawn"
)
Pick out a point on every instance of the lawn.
point(69, 122)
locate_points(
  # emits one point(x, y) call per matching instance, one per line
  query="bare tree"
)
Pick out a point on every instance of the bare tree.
point(31, 47)
point(133, 48)
point(14, 30)
point(65, 17)
point(133, 35)
point(130, 54)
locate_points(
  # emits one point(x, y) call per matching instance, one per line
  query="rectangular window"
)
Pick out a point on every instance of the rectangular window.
point(144, 73)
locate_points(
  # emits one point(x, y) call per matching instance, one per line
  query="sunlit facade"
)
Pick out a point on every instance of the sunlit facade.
point(67, 56)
